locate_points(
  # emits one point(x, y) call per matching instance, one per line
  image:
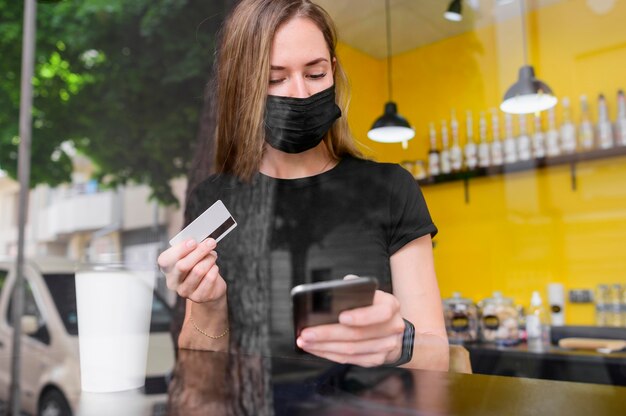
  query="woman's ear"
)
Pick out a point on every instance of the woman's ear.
point(333, 64)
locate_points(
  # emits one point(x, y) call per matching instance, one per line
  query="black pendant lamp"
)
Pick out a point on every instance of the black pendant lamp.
point(454, 12)
point(528, 94)
point(390, 127)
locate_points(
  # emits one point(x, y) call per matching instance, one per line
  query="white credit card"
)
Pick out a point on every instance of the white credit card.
point(216, 222)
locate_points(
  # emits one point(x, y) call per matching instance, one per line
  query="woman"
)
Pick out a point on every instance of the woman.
point(282, 135)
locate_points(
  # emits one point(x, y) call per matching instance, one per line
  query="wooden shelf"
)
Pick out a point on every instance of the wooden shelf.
point(528, 165)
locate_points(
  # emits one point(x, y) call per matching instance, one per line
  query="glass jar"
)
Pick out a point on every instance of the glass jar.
point(461, 317)
point(408, 165)
point(419, 170)
point(499, 321)
point(614, 317)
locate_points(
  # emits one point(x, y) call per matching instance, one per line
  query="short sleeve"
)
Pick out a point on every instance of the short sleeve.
point(409, 217)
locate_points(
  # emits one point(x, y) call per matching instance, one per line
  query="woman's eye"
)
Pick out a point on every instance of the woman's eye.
point(276, 81)
point(317, 76)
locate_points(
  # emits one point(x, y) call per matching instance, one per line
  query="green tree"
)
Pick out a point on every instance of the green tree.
point(122, 81)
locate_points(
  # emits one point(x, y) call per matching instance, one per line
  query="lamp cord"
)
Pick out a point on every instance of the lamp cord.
point(524, 40)
point(388, 24)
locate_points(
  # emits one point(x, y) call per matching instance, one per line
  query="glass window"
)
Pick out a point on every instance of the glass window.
point(31, 308)
point(63, 292)
point(530, 208)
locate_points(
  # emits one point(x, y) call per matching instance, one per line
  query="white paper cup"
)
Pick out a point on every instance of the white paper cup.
point(114, 307)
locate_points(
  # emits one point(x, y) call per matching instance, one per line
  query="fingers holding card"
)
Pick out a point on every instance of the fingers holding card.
point(216, 222)
point(190, 264)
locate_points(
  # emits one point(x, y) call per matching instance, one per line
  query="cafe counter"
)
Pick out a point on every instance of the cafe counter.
point(549, 363)
point(215, 384)
point(211, 383)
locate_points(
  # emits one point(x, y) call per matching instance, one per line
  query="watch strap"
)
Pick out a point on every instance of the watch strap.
point(407, 344)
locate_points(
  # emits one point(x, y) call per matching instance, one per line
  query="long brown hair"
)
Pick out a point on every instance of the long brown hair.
point(243, 70)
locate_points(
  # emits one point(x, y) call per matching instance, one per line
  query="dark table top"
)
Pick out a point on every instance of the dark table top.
point(218, 383)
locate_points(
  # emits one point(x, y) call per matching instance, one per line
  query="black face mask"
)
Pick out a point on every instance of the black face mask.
point(294, 125)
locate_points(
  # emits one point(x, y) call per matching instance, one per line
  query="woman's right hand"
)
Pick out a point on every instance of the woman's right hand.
point(190, 270)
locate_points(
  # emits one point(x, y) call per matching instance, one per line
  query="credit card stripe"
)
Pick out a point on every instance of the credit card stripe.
point(222, 228)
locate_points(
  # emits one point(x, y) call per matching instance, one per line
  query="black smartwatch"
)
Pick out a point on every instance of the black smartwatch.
point(407, 344)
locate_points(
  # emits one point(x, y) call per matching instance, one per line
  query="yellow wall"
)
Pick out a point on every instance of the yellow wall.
point(519, 234)
point(366, 77)
point(525, 230)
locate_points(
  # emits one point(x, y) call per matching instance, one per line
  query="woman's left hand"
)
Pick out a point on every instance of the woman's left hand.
point(368, 336)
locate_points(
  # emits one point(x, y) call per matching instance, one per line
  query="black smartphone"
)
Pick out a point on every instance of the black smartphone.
point(321, 302)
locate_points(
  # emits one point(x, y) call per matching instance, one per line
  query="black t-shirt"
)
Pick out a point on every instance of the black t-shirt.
point(348, 220)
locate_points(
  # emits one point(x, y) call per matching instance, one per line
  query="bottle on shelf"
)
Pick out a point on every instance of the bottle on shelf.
point(568, 129)
point(552, 136)
point(471, 160)
point(539, 138)
point(456, 154)
point(433, 153)
point(587, 141)
point(510, 147)
point(605, 128)
point(497, 156)
point(523, 141)
point(620, 122)
point(536, 322)
point(556, 303)
point(484, 159)
point(444, 156)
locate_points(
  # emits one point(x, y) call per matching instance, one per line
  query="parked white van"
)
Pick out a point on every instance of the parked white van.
point(50, 370)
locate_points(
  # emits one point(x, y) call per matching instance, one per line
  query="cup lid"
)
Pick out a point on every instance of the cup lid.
point(456, 299)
